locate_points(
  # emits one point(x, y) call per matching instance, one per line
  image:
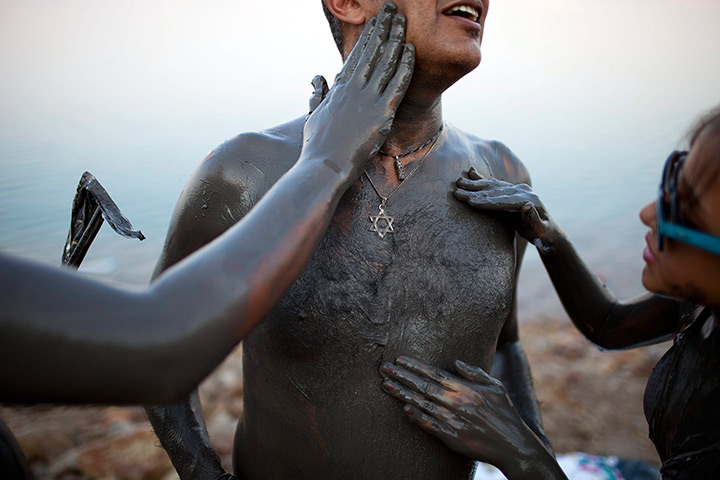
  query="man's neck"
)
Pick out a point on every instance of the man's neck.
point(417, 119)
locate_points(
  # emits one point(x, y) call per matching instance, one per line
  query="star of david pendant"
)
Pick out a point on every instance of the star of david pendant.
point(382, 224)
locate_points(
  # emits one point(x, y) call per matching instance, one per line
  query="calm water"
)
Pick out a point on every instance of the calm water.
point(592, 98)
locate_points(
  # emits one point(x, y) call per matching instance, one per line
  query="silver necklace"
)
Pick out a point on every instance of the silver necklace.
point(382, 223)
point(398, 164)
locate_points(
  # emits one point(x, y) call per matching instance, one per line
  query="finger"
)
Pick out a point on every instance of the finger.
point(503, 203)
point(474, 175)
point(477, 198)
point(396, 89)
point(472, 373)
point(391, 55)
point(376, 43)
point(485, 201)
point(352, 60)
point(413, 398)
point(477, 184)
point(437, 375)
point(462, 195)
point(318, 95)
point(479, 376)
point(495, 198)
point(427, 423)
point(401, 80)
point(421, 385)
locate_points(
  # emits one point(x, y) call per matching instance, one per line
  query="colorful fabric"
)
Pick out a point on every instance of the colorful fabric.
point(582, 466)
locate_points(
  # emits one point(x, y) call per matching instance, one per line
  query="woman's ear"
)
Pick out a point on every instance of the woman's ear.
point(353, 12)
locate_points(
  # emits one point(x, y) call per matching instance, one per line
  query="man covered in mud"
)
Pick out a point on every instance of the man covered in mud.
point(403, 269)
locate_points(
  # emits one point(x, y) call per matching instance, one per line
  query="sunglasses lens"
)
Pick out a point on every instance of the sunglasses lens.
point(668, 187)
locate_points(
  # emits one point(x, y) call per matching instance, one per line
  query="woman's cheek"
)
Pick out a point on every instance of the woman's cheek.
point(666, 276)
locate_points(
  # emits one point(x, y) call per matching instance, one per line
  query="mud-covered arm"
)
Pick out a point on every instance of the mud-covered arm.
point(348, 126)
point(511, 365)
point(70, 339)
point(512, 368)
point(472, 414)
point(208, 203)
point(595, 311)
point(207, 206)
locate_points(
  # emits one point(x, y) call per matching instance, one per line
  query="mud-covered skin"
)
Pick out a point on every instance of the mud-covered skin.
point(441, 285)
point(605, 320)
point(199, 309)
point(682, 390)
point(472, 414)
point(439, 288)
point(208, 303)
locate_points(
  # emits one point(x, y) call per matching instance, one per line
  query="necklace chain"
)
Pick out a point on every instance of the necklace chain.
point(413, 150)
point(382, 223)
point(433, 140)
point(398, 164)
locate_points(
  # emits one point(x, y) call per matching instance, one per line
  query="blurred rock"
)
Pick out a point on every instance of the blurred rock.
point(591, 400)
point(129, 454)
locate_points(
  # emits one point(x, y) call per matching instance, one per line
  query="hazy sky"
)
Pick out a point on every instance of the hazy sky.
point(219, 58)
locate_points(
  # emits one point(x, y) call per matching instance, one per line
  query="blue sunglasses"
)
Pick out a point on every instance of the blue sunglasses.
point(668, 215)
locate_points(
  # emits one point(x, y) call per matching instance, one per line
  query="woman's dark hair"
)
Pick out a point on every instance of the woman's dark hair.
point(334, 26)
point(710, 119)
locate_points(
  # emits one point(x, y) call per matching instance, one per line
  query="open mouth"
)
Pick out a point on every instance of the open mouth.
point(465, 11)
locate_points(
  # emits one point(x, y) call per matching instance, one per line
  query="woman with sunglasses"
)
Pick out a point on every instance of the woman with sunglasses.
point(471, 412)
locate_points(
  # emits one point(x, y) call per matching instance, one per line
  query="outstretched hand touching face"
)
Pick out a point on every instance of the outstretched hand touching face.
point(350, 121)
point(534, 223)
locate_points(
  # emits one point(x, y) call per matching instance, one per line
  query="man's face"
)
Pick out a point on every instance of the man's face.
point(447, 34)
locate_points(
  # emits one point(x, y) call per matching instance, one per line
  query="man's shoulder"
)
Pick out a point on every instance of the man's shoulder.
point(498, 157)
point(252, 157)
point(279, 145)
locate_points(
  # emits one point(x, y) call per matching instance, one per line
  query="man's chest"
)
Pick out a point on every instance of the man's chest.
point(441, 281)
